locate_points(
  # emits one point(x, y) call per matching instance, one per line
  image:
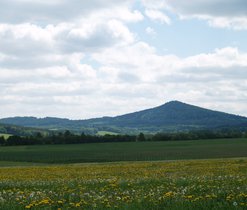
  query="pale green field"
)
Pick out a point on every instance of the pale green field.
point(102, 133)
point(6, 136)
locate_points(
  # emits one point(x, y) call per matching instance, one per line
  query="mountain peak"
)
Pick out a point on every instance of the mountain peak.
point(175, 102)
point(174, 105)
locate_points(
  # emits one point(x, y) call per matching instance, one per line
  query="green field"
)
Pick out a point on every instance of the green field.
point(102, 133)
point(130, 151)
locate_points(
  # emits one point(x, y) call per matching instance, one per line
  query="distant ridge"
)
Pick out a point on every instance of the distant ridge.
point(169, 117)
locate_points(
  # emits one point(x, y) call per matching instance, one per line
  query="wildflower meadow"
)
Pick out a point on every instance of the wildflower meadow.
point(188, 184)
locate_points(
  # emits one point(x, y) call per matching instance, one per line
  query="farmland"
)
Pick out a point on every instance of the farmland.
point(129, 151)
point(150, 175)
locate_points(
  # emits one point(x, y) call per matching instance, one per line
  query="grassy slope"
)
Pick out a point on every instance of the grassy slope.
point(132, 151)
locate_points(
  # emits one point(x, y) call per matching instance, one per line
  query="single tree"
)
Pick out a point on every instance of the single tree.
point(140, 137)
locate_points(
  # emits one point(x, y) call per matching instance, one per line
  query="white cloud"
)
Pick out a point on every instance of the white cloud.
point(219, 13)
point(157, 15)
point(150, 31)
point(31, 46)
point(229, 14)
point(226, 8)
point(53, 12)
point(154, 4)
point(201, 79)
point(221, 62)
point(239, 23)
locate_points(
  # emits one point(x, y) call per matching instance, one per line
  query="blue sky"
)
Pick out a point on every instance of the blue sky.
point(80, 59)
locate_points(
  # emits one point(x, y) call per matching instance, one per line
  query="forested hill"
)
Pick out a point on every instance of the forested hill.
point(172, 116)
point(21, 131)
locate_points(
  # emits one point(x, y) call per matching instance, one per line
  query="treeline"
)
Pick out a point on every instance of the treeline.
point(63, 138)
point(69, 138)
point(199, 135)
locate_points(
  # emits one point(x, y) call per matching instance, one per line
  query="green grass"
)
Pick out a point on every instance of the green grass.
point(130, 151)
point(6, 136)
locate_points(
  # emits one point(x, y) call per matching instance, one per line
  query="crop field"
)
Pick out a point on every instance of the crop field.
point(174, 185)
point(129, 151)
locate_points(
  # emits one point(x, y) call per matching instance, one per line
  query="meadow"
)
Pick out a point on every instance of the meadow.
point(129, 151)
point(174, 185)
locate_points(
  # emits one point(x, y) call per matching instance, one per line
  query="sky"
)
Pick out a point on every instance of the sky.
point(80, 59)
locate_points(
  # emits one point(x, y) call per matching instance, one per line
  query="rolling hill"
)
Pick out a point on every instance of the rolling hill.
point(169, 117)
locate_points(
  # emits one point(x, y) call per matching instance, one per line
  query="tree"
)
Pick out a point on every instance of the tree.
point(38, 135)
point(2, 140)
point(67, 134)
point(14, 140)
point(140, 137)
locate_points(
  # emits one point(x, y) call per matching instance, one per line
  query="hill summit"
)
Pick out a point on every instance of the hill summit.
point(171, 116)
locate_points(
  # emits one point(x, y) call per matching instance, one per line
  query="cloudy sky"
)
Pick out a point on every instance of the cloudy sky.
point(80, 59)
